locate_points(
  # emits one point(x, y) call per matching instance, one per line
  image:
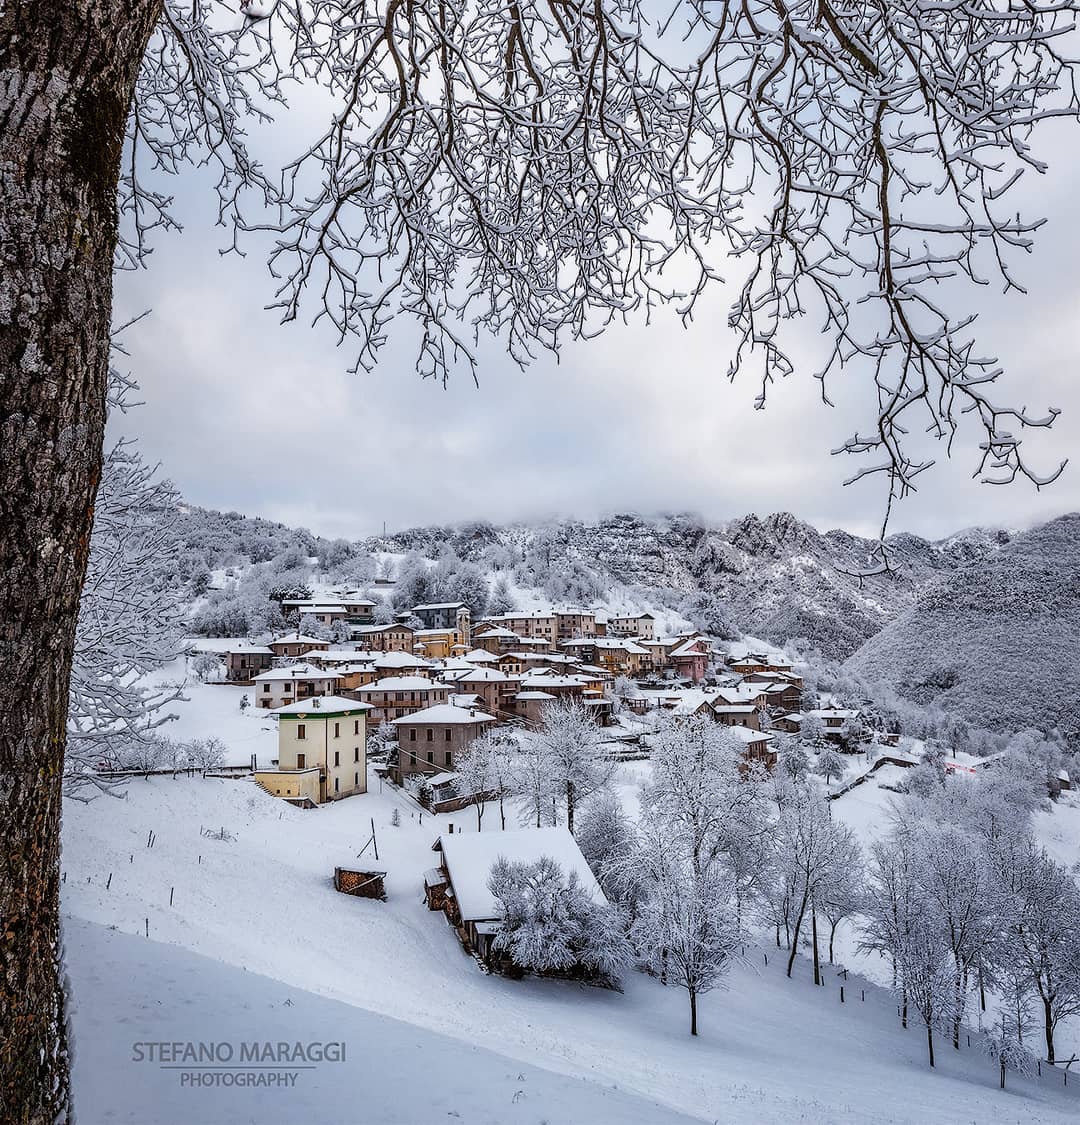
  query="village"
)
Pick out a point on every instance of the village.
point(405, 703)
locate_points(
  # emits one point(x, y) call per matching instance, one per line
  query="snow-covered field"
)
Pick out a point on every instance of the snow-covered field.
point(257, 945)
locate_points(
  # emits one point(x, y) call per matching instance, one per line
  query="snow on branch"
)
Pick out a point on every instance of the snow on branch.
point(539, 169)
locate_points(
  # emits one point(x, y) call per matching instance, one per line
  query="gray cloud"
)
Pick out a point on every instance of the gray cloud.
point(244, 413)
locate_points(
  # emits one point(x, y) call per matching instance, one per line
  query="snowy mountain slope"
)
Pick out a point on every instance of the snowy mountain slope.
point(771, 1049)
point(775, 576)
point(129, 990)
point(995, 641)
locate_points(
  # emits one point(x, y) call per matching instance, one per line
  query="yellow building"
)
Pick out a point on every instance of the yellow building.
point(322, 750)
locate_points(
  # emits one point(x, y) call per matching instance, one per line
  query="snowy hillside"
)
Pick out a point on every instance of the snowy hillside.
point(995, 641)
point(774, 576)
point(247, 939)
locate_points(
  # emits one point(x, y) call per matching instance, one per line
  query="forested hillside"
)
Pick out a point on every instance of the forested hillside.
point(996, 641)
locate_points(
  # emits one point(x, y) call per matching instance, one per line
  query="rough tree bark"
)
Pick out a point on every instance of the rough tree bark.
point(67, 71)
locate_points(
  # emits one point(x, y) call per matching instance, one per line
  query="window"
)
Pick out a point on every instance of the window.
point(430, 734)
point(356, 754)
point(266, 689)
point(431, 758)
point(337, 757)
point(301, 730)
point(448, 734)
point(356, 726)
point(356, 779)
point(301, 761)
point(337, 784)
point(449, 758)
point(337, 730)
point(412, 734)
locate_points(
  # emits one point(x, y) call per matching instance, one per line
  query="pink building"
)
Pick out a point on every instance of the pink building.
point(691, 659)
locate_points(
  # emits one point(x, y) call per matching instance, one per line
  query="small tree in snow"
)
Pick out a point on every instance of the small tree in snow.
point(685, 931)
point(608, 841)
point(245, 703)
point(395, 817)
point(830, 764)
point(501, 600)
point(486, 767)
point(206, 753)
point(568, 744)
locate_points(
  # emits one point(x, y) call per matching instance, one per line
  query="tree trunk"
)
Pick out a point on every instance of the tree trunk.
point(67, 72)
point(795, 936)
point(570, 807)
point(1048, 1017)
point(693, 1012)
point(832, 940)
point(930, 1040)
point(813, 930)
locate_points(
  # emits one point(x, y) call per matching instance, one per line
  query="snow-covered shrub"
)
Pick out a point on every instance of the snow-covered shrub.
point(550, 924)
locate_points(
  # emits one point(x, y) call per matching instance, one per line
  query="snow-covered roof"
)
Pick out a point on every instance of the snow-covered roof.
point(248, 649)
point(297, 672)
point(497, 631)
point(403, 683)
point(299, 638)
point(321, 707)
point(439, 605)
point(527, 695)
point(339, 656)
point(484, 675)
point(444, 714)
point(688, 648)
point(400, 660)
point(538, 680)
point(479, 656)
point(747, 736)
point(470, 856)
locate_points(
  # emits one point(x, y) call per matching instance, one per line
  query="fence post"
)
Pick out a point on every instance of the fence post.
point(841, 994)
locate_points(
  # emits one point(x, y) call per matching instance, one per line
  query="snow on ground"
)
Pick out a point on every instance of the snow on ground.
point(132, 991)
point(770, 1049)
point(214, 710)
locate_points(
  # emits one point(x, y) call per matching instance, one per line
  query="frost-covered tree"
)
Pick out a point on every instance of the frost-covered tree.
point(469, 163)
point(842, 889)
point(206, 753)
point(686, 930)
point(794, 761)
point(830, 764)
point(415, 583)
point(532, 784)
point(808, 845)
point(501, 600)
point(609, 842)
point(957, 888)
point(1042, 930)
point(130, 623)
point(486, 767)
point(550, 923)
point(568, 743)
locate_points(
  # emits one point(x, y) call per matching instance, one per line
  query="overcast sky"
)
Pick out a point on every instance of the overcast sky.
point(247, 414)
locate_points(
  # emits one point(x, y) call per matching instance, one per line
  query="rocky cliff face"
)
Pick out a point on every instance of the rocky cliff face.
point(774, 576)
